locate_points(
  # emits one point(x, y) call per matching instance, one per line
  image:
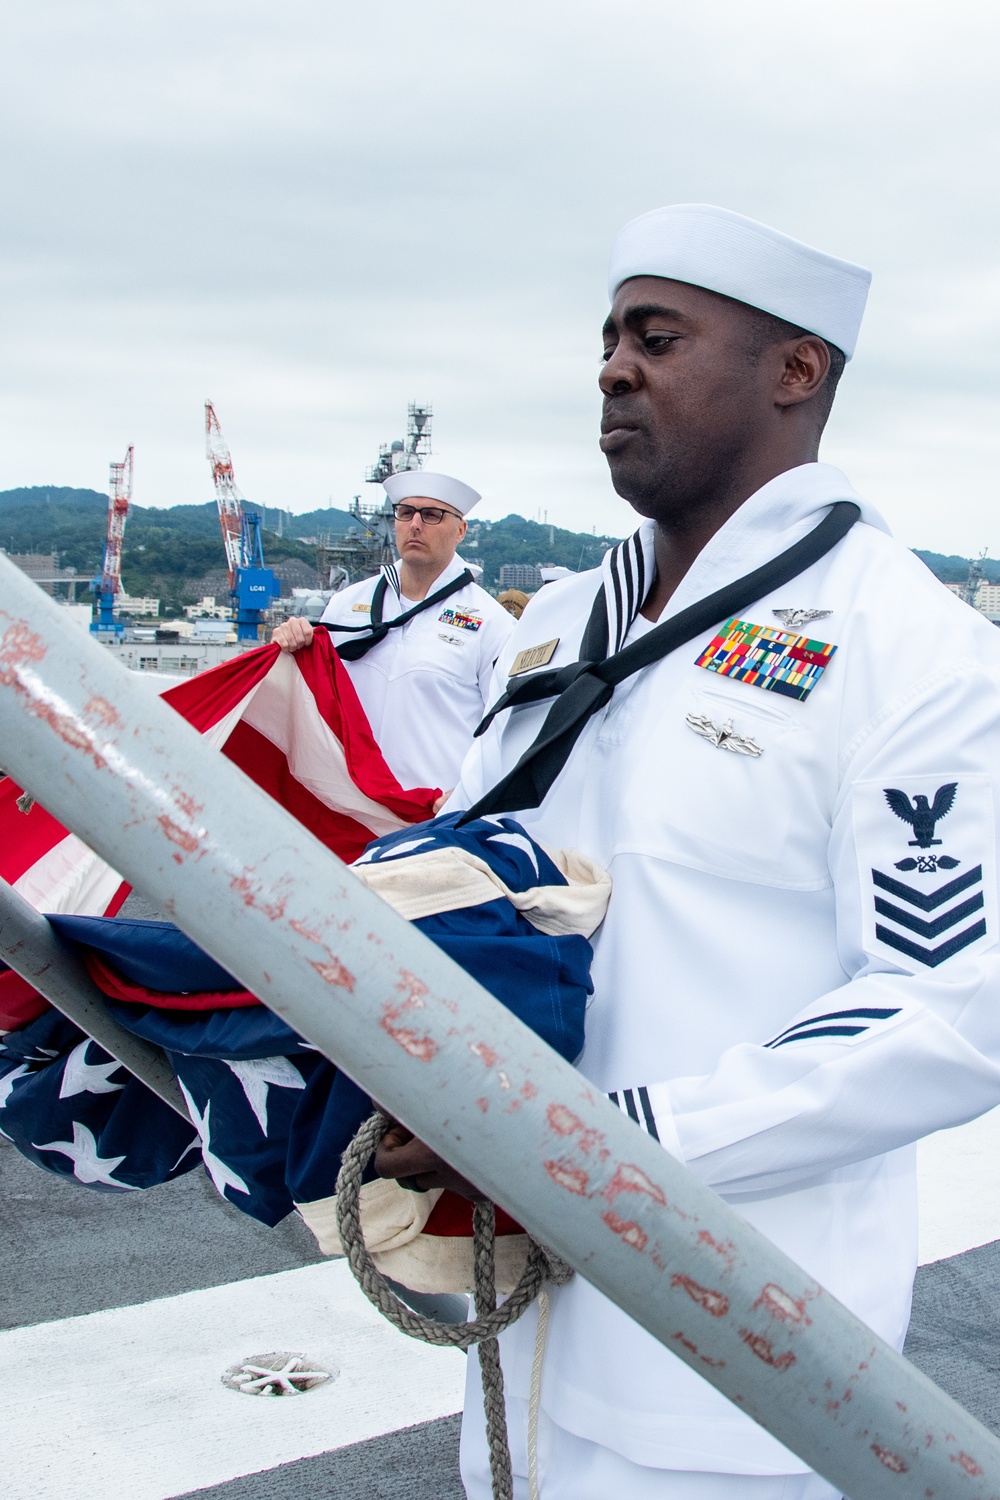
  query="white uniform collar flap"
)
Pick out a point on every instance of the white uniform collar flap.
point(771, 520)
point(390, 572)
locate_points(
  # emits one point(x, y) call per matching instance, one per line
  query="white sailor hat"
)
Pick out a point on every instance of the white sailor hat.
point(725, 252)
point(414, 484)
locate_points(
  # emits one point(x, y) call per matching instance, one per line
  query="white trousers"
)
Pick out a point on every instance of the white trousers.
point(571, 1468)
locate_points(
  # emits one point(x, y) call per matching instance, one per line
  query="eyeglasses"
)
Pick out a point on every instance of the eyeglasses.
point(431, 515)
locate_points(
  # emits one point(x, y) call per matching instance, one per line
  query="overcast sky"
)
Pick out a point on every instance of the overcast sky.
point(313, 212)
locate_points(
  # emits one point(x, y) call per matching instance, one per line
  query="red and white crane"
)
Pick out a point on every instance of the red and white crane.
point(119, 499)
point(227, 493)
point(251, 586)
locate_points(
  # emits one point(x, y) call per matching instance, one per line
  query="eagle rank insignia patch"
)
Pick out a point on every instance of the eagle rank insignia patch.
point(926, 852)
point(772, 659)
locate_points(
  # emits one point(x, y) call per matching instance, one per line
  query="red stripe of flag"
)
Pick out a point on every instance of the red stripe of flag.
point(204, 701)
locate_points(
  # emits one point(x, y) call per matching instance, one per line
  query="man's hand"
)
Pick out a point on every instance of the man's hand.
point(293, 635)
point(400, 1154)
point(439, 802)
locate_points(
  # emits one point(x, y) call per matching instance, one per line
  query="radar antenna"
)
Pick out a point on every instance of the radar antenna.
point(396, 457)
point(977, 575)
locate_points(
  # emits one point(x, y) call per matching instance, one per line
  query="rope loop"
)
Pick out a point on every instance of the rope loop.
point(543, 1265)
point(490, 1320)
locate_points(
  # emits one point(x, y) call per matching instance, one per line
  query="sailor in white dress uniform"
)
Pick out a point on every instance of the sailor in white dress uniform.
point(799, 972)
point(422, 682)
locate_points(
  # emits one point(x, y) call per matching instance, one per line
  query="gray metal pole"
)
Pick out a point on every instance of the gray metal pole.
point(35, 951)
point(249, 884)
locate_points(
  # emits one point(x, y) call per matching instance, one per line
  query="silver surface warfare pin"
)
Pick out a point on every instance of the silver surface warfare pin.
point(793, 617)
point(722, 736)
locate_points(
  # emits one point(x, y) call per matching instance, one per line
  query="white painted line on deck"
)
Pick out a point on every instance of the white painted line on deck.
point(958, 1177)
point(129, 1402)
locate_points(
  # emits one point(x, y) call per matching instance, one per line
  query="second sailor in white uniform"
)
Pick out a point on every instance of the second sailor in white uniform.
point(419, 639)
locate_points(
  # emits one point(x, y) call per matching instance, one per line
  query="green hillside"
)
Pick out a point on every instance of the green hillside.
point(515, 540)
point(318, 523)
point(167, 551)
point(953, 569)
point(170, 551)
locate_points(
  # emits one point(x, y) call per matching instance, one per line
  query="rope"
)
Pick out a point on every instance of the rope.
point(535, 1393)
point(543, 1265)
point(490, 1369)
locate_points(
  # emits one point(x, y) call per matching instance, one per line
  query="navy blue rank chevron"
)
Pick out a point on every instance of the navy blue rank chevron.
point(932, 896)
point(907, 926)
point(272, 1115)
point(843, 1024)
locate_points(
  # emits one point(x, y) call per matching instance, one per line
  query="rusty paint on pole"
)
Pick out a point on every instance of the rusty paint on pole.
point(266, 900)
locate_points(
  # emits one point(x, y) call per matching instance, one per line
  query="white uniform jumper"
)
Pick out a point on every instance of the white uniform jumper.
point(424, 686)
point(799, 965)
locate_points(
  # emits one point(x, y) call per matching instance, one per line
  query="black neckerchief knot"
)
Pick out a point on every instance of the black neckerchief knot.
point(584, 687)
point(378, 628)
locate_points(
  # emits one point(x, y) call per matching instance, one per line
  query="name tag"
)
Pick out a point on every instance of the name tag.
point(460, 619)
point(771, 659)
point(534, 656)
point(362, 609)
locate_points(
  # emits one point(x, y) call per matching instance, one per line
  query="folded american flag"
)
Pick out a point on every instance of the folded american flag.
point(294, 724)
point(271, 1115)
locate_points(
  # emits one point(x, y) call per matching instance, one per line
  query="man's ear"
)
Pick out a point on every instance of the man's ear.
point(804, 364)
point(463, 527)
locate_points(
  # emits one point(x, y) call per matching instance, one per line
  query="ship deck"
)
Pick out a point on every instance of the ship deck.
point(120, 1314)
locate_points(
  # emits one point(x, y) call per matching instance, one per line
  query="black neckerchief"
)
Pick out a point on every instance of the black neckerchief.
point(583, 687)
point(354, 650)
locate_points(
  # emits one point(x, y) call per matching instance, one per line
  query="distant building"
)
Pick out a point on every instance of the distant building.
point(988, 600)
point(138, 608)
point(207, 609)
point(212, 630)
point(44, 568)
point(520, 576)
point(164, 660)
point(987, 597)
point(36, 564)
point(300, 604)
